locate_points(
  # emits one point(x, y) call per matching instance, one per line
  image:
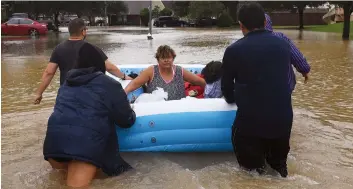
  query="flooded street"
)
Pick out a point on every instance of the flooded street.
point(321, 153)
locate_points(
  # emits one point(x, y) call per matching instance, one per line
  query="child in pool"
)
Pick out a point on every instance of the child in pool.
point(212, 74)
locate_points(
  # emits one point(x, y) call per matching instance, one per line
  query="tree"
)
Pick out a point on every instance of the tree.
point(144, 15)
point(225, 20)
point(115, 7)
point(301, 6)
point(81, 8)
point(348, 9)
point(205, 9)
point(181, 8)
point(155, 12)
point(232, 7)
point(166, 12)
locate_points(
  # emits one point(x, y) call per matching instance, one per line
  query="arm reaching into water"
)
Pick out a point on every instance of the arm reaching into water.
point(193, 78)
point(47, 76)
point(140, 80)
point(124, 116)
point(298, 60)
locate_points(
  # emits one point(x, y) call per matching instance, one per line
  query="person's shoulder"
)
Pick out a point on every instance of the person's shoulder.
point(279, 34)
point(69, 44)
point(276, 37)
point(237, 43)
point(149, 69)
point(234, 46)
point(92, 44)
point(61, 45)
point(109, 81)
point(105, 84)
point(95, 46)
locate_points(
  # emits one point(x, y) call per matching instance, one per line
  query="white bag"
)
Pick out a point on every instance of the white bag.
point(157, 95)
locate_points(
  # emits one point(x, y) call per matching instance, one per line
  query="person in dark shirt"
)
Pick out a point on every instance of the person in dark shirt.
point(64, 56)
point(255, 77)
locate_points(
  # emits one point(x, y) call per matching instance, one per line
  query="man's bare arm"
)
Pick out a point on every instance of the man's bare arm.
point(47, 76)
point(140, 80)
point(112, 69)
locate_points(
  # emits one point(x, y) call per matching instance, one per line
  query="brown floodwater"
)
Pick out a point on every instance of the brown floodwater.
point(321, 153)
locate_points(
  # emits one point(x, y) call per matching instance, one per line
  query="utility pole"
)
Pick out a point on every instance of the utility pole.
point(105, 13)
point(149, 36)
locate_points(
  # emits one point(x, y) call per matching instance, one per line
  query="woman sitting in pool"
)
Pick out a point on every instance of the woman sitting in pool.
point(165, 75)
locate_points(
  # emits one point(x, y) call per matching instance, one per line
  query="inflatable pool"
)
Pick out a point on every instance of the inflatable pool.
point(186, 125)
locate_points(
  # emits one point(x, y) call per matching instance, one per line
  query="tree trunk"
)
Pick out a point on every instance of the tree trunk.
point(36, 15)
point(346, 24)
point(56, 21)
point(300, 35)
point(301, 17)
point(89, 19)
point(79, 14)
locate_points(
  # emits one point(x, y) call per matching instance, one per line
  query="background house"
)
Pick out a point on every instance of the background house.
point(335, 15)
point(132, 17)
point(311, 16)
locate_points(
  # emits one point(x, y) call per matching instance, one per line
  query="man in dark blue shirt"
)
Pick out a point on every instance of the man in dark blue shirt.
point(255, 77)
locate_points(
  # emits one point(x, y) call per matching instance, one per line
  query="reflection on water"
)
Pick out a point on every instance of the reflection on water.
point(322, 141)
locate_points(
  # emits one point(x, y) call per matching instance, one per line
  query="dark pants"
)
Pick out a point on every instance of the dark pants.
point(252, 152)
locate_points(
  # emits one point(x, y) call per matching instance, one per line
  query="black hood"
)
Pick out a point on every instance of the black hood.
point(82, 76)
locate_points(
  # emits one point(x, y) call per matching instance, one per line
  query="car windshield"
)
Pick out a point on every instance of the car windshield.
point(13, 21)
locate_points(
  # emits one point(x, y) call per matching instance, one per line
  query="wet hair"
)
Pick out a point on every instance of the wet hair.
point(252, 16)
point(165, 51)
point(89, 56)
point(76, 26)
point(212, 71)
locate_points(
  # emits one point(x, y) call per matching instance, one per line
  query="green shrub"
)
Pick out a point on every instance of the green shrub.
point(225, 20)
point(166, 12)
point(144, 16)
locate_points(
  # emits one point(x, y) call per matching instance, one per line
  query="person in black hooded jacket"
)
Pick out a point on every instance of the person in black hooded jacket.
point(81, 135)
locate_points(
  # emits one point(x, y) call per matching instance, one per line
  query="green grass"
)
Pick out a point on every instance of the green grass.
point(334, 28)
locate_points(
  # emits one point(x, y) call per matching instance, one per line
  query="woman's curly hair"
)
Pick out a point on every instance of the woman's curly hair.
point(165, 51)
point(212, 71)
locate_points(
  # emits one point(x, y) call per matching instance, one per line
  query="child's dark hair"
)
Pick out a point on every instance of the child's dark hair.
point(212, 71)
